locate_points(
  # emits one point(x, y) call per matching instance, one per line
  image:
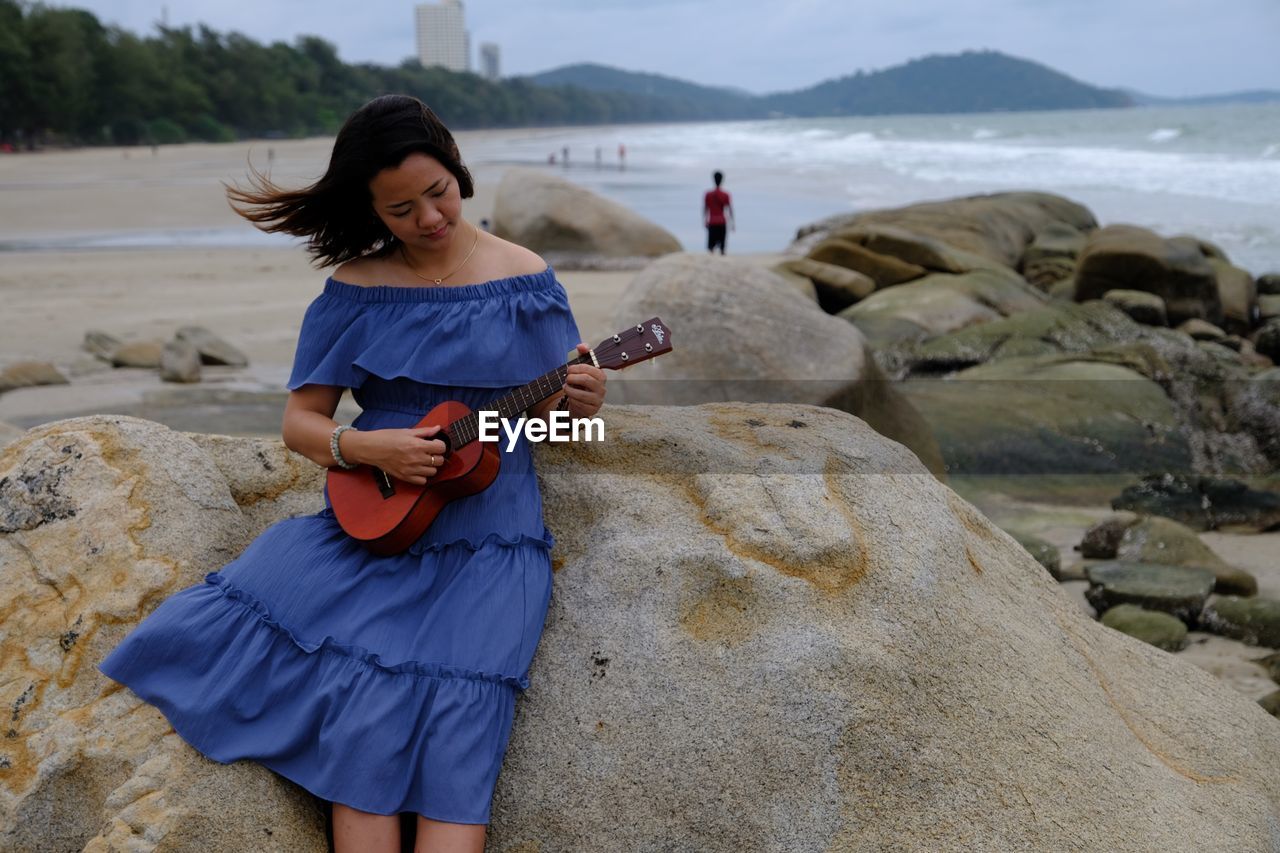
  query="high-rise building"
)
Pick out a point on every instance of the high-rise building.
point(442, 35)
point(490, 66)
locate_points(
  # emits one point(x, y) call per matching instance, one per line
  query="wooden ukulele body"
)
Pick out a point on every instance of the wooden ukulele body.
point(388, 515)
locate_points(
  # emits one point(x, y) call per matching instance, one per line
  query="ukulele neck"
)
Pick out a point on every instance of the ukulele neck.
point(467, 429)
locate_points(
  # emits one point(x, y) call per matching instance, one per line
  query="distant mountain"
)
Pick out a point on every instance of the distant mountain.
point(974, 81)
point(1255, 96)
point(715, 102)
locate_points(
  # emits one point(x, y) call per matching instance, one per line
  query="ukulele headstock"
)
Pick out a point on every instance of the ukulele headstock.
point(635, 344)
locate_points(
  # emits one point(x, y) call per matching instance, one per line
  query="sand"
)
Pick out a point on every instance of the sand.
point(255, 297)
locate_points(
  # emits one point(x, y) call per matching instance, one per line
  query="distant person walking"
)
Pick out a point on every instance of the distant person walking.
point(717, 214)
point(622, 157)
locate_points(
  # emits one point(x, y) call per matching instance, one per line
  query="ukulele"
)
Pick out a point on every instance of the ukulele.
point(387, 515)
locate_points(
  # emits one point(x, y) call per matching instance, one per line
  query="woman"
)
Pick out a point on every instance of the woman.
point(383, 684)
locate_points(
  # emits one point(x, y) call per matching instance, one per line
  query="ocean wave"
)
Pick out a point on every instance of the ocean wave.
point(1164, 134)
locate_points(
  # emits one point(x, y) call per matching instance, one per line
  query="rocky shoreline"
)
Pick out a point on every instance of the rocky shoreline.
point(802, 503)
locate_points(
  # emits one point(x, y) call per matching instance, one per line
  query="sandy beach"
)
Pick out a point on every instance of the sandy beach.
point(254, 295)
point(252, 292)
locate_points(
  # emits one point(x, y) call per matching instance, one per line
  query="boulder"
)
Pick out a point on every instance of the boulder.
point(884, 270)
point(211, 348)
point(1126, 257)
point(923, 251)
point(839, 580)
point(546, 213)
point(100, 519)
point(1046, 553)
point(1177, 590)
point(1141, 307)
point(1153, 539)
point(1150, 626)
point(100, 344)
point(1054, 329)
point(997, 227)
point(1267, 340)
point(1051, 255)
point(892, 319)
point(179, 362)
point(1239, 297)
point(1269, 283)
point(745, 335)
point(138, 354)
point(1255, 621)
point(606, 755)
point(835, 287)
point(1268, 308)
point(1201, 330)
point(802, 283)
point(1051, 415)
point(1202, 503)
point(1102, 539)
point(26, 374)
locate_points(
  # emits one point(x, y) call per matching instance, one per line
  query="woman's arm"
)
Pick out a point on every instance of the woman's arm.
point(406, 454)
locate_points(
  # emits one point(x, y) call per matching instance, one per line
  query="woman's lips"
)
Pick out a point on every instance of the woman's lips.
point(438, 233)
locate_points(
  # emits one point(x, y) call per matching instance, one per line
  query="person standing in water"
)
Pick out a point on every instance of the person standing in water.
point(717, 214)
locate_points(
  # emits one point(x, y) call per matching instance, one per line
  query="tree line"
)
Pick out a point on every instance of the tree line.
point(66, 79)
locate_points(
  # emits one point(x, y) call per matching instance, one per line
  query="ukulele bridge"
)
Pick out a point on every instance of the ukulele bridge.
point(385, 486)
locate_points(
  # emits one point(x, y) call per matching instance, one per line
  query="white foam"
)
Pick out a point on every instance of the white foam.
point(1164, 134)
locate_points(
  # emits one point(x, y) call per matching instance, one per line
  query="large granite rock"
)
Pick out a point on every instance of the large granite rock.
point(1054, 329)
point(897, 650)
point(25, 374)
point(1203, 503)
point(740, 333)
point(997, 227)
point(549, 214)
point(1127, 257)
point(1239, 296)
point(892, 319)
point(100, 519)
point(1051, 415)
point(1051, 256)
point(1153, 539)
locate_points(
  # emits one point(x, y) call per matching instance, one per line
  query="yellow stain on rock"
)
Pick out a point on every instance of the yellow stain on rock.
point(724, 613)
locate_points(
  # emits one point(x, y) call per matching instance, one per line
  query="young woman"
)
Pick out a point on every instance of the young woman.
point(385, 685)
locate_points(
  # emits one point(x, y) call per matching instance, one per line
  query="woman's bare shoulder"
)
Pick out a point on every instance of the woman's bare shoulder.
point(511, 259)
point(365, 272)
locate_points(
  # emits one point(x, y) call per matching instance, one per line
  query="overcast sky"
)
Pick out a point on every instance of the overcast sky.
point(1162, 47)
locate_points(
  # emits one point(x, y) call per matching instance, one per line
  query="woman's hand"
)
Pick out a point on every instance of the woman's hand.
point(411, 455)
point(584, 386)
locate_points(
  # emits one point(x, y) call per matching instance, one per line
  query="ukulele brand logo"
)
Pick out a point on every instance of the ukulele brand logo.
point(560, 426)
point(657, 333)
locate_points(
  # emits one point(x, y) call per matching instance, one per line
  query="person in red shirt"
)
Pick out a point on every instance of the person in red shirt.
point(717, 213)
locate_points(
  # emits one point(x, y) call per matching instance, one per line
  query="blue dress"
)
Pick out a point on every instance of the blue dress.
point(383, 683)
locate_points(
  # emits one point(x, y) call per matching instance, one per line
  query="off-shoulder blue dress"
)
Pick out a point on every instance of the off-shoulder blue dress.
point(383, 683)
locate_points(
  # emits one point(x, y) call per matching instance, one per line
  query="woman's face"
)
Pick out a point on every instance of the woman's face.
point(419, 202)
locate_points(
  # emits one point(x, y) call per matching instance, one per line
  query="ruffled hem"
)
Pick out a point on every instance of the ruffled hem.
point(356, 653)
point(502, 540)
point(442, 336)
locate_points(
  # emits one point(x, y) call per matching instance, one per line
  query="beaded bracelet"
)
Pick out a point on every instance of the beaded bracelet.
point(333, 447)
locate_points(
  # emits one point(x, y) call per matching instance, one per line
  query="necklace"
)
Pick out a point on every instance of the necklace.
point(440, 280)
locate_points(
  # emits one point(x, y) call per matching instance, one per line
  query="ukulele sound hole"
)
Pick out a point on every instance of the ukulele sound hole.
point(384, 483)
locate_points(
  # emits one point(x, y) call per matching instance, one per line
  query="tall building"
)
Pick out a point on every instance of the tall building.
point(442, 35)
point(489, 61)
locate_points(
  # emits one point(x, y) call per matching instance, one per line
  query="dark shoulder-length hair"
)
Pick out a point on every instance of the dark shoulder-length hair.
point(335, 214)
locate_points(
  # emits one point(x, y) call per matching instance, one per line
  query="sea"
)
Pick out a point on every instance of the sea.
point(1211, 171)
